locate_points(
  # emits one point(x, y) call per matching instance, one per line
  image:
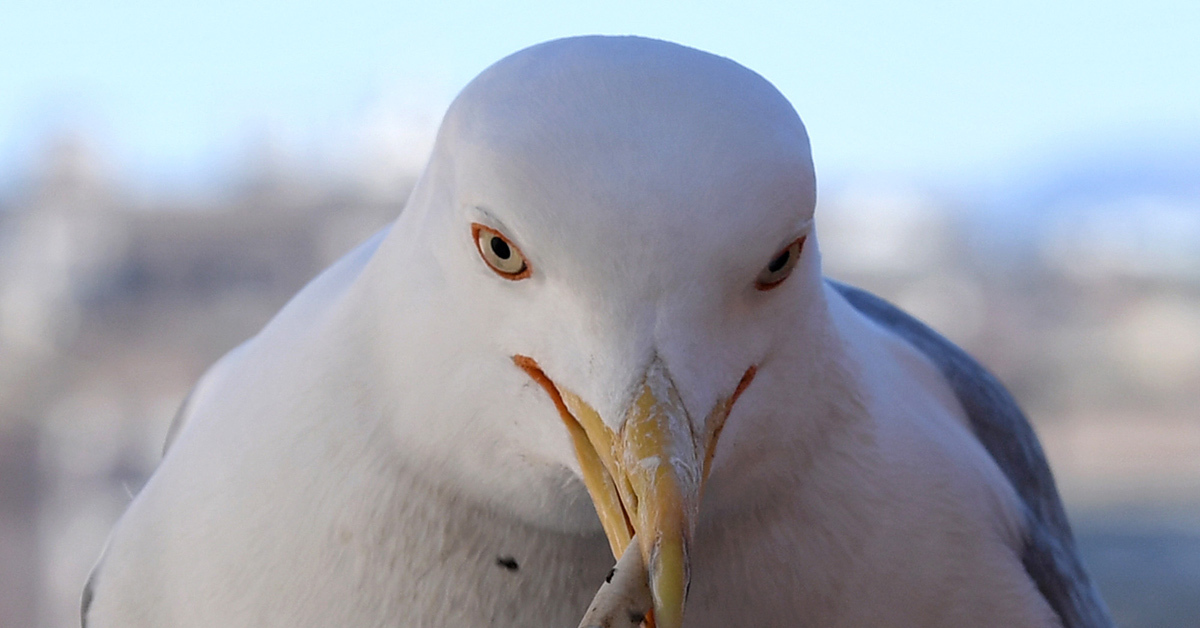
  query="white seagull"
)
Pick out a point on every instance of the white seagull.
point(599, 323)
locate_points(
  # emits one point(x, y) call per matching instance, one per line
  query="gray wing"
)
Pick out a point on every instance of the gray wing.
point(1050, 556)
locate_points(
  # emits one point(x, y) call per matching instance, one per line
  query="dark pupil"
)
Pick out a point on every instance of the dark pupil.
point(779, 262)
point(500, 248)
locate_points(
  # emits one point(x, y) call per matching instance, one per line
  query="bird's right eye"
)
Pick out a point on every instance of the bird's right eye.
point(780, 266)
point(499, 253)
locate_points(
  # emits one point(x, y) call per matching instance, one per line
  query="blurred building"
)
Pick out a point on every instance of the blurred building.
point(110, 308)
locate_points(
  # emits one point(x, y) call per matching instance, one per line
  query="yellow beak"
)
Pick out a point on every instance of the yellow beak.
point(647, 479)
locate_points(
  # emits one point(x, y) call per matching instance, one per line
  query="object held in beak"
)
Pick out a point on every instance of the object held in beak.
point(645, 481)
point(624, 598)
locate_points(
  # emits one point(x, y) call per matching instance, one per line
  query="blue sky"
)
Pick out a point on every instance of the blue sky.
point(936, 91)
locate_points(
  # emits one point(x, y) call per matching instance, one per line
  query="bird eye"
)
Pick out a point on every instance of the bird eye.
point(501, 255)
point(780, 266)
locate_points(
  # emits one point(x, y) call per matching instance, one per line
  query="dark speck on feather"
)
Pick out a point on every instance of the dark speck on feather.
point(507, 562)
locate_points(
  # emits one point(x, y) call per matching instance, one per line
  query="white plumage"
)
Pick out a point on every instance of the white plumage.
point(375, 457)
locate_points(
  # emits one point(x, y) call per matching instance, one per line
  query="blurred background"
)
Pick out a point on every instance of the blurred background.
point(1025, 177)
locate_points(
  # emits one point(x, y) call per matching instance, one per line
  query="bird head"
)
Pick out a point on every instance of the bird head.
point(619, 233)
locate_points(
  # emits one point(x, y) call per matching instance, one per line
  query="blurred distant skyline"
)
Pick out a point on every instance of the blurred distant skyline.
point(177, 95)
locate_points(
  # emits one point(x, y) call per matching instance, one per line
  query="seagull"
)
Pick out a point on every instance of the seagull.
point(598, 329)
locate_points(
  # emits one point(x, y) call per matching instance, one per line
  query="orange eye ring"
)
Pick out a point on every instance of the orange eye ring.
point(780, 267)
point(499, 253)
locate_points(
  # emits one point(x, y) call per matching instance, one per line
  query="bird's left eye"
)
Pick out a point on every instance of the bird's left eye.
point(499, 253)
point(780, 266)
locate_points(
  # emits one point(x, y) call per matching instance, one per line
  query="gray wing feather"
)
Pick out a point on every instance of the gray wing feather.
point(1050, 556)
